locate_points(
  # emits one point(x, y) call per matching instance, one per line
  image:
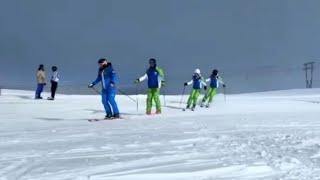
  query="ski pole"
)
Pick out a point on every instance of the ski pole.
point(126, 95)
point(224, 92)
point(137, 98)
point(164, 97)
point(96, 90)
point(184, 88)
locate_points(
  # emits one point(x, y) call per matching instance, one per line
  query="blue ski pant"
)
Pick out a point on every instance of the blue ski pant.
point(39, 90)
point(109, 102)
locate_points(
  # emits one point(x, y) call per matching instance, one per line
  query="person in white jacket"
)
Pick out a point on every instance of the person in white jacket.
point(54, 82)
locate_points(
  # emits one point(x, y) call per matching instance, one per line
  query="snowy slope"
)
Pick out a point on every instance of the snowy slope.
point(274, 135)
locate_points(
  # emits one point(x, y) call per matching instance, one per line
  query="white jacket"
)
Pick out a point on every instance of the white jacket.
point(55, 76)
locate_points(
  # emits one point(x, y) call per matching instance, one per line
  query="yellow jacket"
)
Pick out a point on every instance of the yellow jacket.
point(41, 77)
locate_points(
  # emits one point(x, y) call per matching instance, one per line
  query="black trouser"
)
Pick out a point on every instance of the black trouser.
point(54, 86)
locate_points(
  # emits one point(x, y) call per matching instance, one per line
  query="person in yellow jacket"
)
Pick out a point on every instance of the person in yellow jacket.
point(41, 80)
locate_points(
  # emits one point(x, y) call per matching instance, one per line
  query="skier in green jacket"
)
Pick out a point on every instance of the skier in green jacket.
point(155, 77)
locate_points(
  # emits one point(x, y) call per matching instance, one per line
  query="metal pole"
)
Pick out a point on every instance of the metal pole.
point(164, 97)
point(96, 90)
point(225, 96)
point(309, 66)
point(126, 95)
point(306, 70)
point(184, 88)
point(311, 81)
point(137, 98)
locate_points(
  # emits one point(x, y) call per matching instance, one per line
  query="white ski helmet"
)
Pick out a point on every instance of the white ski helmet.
point(197, 71)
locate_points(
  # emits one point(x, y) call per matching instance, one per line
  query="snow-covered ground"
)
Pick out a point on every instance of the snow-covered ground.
point(273, 135)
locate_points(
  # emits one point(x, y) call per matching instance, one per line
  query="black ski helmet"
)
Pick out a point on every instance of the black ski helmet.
point(41, 67)
point(152, 63)
point(215, 72)
point(101, 60)
point(152, 60)
point(54, 68)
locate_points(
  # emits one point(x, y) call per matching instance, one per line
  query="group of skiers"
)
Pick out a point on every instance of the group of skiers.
point(41, 80)
point(155, 76)
point(198, 81)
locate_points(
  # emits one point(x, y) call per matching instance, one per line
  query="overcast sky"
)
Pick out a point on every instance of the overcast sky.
point(257, 45)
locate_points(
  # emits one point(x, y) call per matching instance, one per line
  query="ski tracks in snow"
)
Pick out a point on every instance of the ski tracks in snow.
point(246, 139)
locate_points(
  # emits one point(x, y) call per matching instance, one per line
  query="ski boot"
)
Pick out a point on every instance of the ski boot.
point(188, 107)
point(158, 112)
point(193, 107)
point(148, 112)
point(108, 116)
point(202, 103)
point(116, 116)
point(50, 98)
point(208, 105)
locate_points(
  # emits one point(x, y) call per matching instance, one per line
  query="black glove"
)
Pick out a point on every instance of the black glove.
point(90, 85)
point(224, 85)
point(205, 88)
point(185, 84)
point(44, 84)
point(163, 83)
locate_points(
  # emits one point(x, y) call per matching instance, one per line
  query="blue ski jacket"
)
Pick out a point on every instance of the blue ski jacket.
point(154, 76)
point(197, 81)
point(107, 76)
point(214, 81)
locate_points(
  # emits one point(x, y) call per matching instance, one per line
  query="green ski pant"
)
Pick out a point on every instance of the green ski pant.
point(193, 99)
point(153, 94)
point(210, 94)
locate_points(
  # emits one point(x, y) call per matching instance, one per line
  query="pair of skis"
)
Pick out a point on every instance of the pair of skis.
point(193, 109)
point(117, 118)
point(185, 109)
point(104, 119)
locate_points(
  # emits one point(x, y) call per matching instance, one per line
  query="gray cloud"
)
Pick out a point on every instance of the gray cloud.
point(258, 45)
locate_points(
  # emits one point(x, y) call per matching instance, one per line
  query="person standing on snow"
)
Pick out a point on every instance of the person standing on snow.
point(54, 82)
point(214, 79)
point(198, 81)
point(108, 77)
point(41, 79)
point(155, 78)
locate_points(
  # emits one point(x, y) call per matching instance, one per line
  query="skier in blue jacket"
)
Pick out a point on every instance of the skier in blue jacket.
point(198, 82)
point(214, 80)
point(155, 77)
point(108, 78)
